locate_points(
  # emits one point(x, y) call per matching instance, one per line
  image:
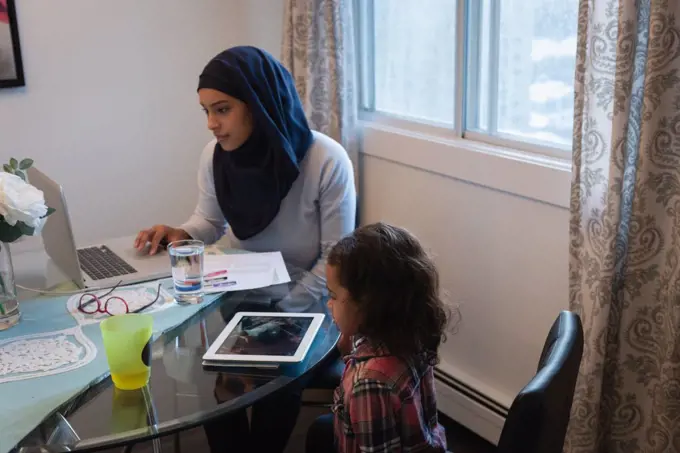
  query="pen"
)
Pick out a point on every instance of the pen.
point(218, 285)
point(215, 274)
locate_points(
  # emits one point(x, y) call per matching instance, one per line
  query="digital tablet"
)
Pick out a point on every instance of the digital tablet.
point(261, 337)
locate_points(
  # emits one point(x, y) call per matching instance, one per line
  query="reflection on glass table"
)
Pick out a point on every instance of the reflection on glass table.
point(182, 393)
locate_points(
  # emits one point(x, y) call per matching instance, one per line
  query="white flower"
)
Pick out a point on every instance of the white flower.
point(21, 202)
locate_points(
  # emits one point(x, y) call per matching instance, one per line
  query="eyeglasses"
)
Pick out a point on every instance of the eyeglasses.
point(91, 304)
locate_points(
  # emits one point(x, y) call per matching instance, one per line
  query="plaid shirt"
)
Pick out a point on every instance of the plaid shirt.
point(385, 404)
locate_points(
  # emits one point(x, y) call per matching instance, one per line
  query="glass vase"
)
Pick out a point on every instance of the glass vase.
point(9, 305)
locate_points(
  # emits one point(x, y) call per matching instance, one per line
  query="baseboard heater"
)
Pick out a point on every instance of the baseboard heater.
point(469, 407)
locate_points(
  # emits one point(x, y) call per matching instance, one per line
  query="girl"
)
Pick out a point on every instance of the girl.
point(384, 294)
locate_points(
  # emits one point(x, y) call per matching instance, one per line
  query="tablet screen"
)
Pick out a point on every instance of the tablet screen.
point(265, 336)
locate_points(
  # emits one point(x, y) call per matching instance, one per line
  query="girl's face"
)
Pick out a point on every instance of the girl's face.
point(344, 310)
point(229, 119)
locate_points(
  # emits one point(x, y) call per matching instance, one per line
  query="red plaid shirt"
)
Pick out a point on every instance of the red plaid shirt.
point(385, 404)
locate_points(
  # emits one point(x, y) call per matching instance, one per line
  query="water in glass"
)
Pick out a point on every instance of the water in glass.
point(186, 259)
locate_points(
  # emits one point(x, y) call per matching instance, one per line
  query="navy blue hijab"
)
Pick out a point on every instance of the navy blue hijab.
point(251, 181)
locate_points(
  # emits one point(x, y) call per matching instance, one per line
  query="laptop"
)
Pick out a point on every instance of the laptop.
point(103, 265)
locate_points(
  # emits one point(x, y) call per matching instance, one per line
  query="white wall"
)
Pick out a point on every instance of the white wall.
point(263, 21)
point(110, 107)
point(502, 257)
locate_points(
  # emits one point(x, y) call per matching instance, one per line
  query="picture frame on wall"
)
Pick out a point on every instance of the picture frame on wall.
point(11, 66)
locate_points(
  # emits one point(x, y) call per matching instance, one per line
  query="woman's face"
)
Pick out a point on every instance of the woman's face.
point(229, 119)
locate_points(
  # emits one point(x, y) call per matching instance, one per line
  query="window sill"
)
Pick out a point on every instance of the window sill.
point(529, 175)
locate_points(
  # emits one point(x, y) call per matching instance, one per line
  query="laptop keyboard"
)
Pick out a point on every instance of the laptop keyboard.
point(100, 263)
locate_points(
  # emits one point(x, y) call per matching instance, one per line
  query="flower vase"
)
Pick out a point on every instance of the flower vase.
point(9, 305)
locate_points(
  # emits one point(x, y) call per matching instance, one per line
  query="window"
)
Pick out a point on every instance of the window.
point(493, 70)
point(408, 81)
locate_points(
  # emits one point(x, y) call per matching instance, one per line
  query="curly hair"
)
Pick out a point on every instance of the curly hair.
point(395, 285)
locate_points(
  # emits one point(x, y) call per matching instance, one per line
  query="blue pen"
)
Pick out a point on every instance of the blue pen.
point(218, 285)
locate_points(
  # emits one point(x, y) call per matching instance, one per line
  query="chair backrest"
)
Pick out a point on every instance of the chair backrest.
point(538, 418)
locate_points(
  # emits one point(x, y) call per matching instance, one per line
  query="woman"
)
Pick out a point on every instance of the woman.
point(268, 183)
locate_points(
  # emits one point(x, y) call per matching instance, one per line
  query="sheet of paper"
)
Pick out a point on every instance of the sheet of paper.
point(240, 280)
point(236, 272)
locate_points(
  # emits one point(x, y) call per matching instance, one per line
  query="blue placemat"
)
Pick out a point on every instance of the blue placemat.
point(25, 403)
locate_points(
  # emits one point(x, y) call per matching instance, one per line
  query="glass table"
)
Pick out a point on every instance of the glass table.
point(182, 393)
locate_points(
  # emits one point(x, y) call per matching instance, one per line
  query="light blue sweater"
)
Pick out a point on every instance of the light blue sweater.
point(319, 209)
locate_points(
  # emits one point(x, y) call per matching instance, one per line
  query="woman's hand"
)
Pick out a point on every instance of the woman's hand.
point(344, 345)
point(156, 234)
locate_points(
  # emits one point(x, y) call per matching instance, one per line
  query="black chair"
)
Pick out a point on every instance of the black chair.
point(538, 418)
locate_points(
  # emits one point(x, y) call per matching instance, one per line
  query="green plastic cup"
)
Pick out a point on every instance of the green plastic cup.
point(127, 342)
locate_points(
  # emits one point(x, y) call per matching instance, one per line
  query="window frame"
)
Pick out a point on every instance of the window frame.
point(467, 86)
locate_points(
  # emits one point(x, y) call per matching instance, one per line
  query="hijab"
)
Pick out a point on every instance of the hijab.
point(251, 181)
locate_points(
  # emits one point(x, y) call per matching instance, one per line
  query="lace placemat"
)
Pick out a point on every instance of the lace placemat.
point(44, 354)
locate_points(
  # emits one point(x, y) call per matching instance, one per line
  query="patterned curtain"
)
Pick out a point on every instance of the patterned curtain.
point(318, 50)
point(625, 227)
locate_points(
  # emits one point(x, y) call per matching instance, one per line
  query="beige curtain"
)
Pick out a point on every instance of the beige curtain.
point(625, 227)
point(318, 49)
